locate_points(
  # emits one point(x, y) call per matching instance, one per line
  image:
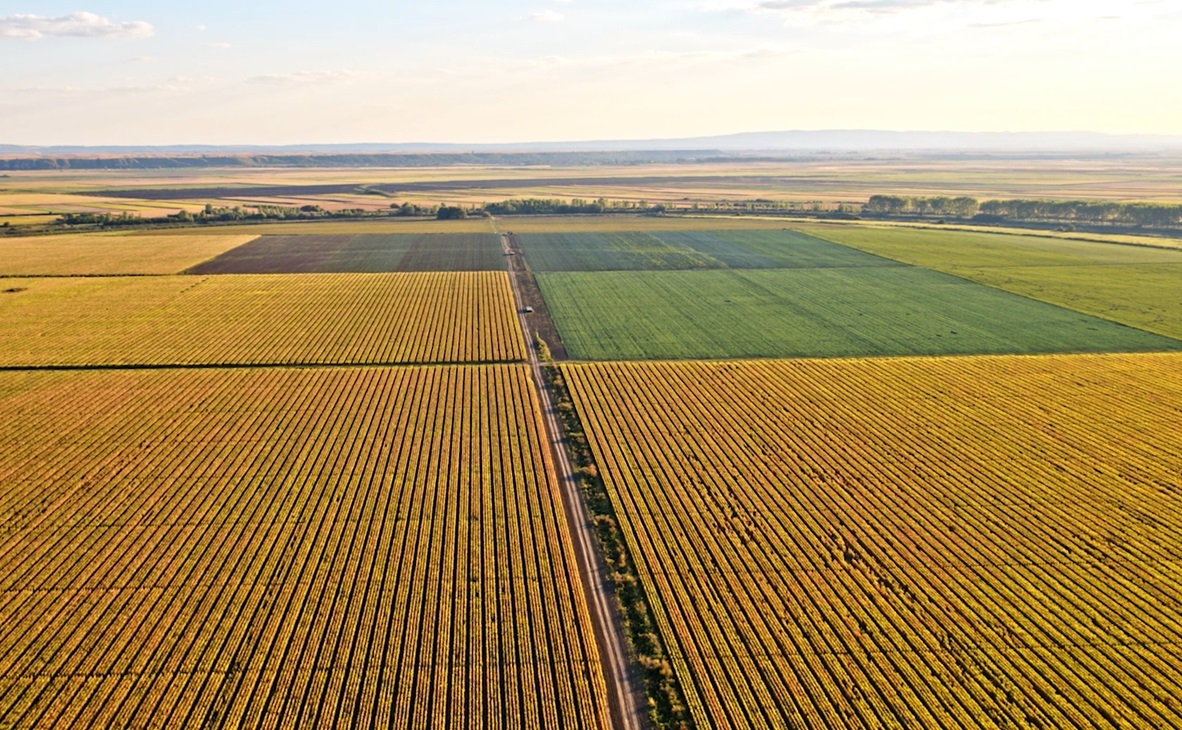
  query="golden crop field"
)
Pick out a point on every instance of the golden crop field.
point(287, 548)
point(60, 202)
point(435, 317)
point(907, 543)
point(99, 253)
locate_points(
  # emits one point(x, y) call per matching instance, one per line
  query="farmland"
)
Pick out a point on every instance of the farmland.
point(364, 253)
point(287, 548)
point(1133, 285)
point(657, 250)
point(952, 542)
point(383, 226)
point(834, 312)
point(299, 474)
point(432, 317)
point(109, 254)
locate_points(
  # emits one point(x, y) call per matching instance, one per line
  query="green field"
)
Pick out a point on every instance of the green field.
point(840, 312)
point(1135, 285)
point(934, 248)
point(674, 250)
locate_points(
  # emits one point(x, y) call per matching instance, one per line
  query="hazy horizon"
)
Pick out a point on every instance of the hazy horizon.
point(133, 72)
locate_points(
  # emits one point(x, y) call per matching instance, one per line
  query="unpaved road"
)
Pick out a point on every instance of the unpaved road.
point(625, 699)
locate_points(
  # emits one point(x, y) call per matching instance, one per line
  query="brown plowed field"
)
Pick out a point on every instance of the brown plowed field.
point(359, 254)
point(907, 543)
point(287, 548)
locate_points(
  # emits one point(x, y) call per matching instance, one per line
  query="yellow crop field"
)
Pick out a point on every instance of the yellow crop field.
point(907, 543)
point(90, 253)
point(435, 317)
point(287, 548)
point(57, 203)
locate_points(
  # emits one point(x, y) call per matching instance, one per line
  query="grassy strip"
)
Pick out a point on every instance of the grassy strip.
point(667, 707)
point(544, 353)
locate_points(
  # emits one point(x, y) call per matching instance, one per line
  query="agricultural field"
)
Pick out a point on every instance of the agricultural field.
point(824, 178)
point(287, 548)
point(25, 203)
point(928, 542)
point(1134, 285)
point(364, 253)
point(383, 226)
point(633, 223)
point(92, 254)
point(430, 317)
point(658, 250)
point(958, 250)
point(827, 312)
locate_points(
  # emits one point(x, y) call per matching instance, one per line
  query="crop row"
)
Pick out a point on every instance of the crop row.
point(260, 319)
point(287, 548)
point(952, 543)
point(93, 254)
point(668, 250)
point(821, 312)
point(362, 253)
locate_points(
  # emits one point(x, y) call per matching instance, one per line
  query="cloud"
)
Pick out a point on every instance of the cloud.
point(870, 6)
point(74, 25)
point(547, 16)
point(173, 84)
point(302, 78)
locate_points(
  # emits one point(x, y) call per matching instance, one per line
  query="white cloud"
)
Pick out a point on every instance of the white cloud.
point(74, 25)
point(547, 16)
point(173, 84)
point(301, 78)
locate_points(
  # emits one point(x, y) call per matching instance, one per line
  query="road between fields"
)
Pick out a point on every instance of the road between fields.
point(625, 700)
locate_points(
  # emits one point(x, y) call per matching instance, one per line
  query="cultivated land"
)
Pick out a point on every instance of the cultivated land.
point(1133, 285)
point(656, 250)
point(943, 543)
point(834, 312)
point(105, 254)
point(383, 226)
point(916, 542)
point(287, 548)
point(365, 253)
point(805, 178)
point(259, 319)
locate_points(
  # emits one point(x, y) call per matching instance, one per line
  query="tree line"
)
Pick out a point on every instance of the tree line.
point(1097, 213)
point(210, 214)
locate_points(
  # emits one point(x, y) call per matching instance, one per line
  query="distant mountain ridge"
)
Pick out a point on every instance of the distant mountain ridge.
point(837, 140)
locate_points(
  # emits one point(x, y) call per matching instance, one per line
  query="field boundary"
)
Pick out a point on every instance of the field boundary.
point(666, 699)
point(529, 295)
point(625, 697)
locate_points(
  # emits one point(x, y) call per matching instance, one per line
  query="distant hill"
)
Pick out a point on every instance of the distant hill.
point(750, 142)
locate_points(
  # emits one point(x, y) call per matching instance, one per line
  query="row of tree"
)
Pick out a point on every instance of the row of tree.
point(210, 214)
point(1137, 215)
point(888, 205)
point(1132, 215)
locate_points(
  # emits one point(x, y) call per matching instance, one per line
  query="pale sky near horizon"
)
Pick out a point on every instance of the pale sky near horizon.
point(307, 71)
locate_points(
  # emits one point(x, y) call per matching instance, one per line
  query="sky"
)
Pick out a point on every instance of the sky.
point(140, 72)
